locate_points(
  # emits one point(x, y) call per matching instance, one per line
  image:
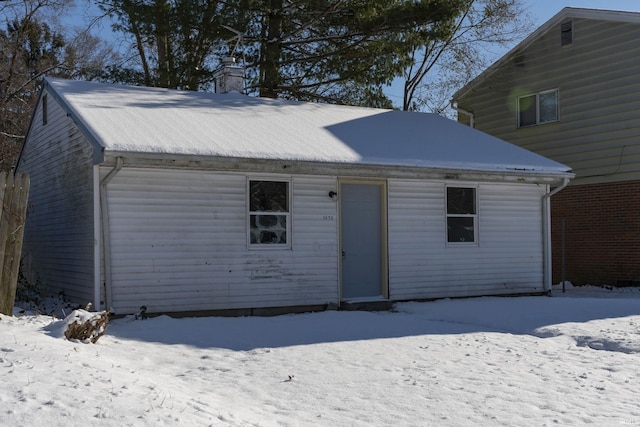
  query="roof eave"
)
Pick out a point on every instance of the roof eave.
point(250, 165)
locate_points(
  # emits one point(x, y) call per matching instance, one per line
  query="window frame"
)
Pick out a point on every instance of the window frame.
point(475, 216)
point(287, 215)
point(537, 96)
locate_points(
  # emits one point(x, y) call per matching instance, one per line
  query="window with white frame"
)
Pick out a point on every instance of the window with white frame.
point(269, 213)
point(462, 215)
point(538, 108)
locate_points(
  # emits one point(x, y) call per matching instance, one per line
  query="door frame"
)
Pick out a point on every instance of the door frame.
point(384, 235)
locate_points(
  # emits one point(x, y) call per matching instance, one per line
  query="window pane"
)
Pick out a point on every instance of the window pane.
point(461, 200)
point(548, 107)
point(268, 229)
point(269, 196)
point(527, 110)
point(460, 229)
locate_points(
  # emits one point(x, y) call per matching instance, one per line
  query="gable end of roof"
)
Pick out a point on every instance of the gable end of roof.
point(98, 148)
point(564, 14)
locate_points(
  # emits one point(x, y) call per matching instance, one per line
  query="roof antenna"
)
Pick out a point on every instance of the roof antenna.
point(239, 38)
point(230, 76)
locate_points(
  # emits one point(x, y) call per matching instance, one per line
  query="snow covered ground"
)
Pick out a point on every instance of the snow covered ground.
point(570, 359)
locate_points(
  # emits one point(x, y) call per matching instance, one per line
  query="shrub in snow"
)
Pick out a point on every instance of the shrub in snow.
point(85, 326)
point(32, 297)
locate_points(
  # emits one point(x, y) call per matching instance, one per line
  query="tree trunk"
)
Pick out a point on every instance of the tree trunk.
point(166, 77)
point(271, 49)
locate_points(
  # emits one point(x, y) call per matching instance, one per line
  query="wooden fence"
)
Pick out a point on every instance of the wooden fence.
point(14, 192)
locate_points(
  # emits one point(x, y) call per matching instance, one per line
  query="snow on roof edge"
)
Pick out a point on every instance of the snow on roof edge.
point(347, 128)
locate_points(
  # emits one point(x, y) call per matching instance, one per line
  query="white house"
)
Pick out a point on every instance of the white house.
point(193, 202)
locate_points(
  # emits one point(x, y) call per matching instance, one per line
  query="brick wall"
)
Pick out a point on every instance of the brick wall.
point(602, 233)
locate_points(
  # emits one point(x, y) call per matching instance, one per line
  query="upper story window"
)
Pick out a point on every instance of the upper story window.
point(566, 33)
point(538, 108)
point(45, 113)
point(269, 213)
point(462, 215)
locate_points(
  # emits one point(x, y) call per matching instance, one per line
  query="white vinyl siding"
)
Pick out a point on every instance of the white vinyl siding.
point(178, 243)
point(508, 259)
point(59, 243)
point(175, 250)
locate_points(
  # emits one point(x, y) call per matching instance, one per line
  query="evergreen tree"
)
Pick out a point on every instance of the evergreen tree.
point(177, 42)
point(324, 50)
point(332, 51)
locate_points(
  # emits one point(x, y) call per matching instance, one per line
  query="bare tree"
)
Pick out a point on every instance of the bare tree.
point(441, 66)
point(31, 47)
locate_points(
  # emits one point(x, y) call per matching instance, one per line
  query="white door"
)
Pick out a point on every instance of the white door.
point(362, 240)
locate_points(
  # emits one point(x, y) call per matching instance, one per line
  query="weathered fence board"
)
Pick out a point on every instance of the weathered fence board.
point(14, 192)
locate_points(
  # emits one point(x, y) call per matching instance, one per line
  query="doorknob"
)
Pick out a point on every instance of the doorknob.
point(343, 253)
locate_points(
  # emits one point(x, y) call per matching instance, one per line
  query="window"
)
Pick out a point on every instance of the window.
point(538, 108)
point(269, 213)
point(566, 33)
point(462, 215)
point(44, 109)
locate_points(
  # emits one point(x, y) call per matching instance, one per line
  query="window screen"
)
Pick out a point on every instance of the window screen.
point(548, 104)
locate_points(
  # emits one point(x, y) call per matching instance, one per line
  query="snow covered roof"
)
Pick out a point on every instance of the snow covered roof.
point(158, 121)
point(564, 14)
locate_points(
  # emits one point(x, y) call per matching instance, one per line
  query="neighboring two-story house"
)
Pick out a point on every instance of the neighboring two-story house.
point(571, 92)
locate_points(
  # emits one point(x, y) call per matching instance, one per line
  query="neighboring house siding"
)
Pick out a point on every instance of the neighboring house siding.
point(597, 135)
point(599, 104)
point(508, 257)
point(179, 243)
point(58, 250)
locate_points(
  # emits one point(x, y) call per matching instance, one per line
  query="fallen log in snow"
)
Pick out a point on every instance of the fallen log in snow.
point(83, 325)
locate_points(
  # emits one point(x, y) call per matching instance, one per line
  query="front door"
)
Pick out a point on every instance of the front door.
point(363, 234)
